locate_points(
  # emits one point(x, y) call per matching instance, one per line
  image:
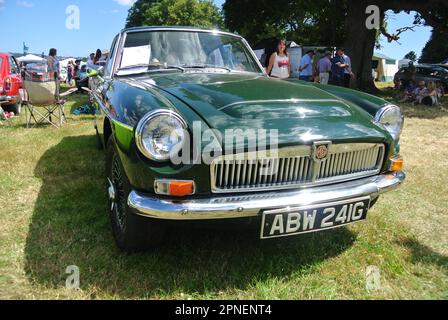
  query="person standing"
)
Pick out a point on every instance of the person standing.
point(348, 74)
point(324, 68)
point(98, 56)
point(69, 73)
point(306, 66)
point(409, 74)
point(90, 62)
point(338, 66)
point(54, 68)
point(279, 64)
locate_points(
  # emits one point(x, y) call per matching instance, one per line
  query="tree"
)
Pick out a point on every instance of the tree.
point(361, 41)
point(196, 13)
point(304, 21)
point(436, 49)
point(332, 23)
point(411, 55)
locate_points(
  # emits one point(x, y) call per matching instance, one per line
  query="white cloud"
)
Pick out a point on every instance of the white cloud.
point(125, 2)
point(25, 4)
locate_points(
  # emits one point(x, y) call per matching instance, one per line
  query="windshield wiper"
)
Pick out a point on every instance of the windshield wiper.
point(204, 66)
point(151, 67)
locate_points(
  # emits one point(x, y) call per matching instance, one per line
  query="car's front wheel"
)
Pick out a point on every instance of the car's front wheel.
point(132, 233)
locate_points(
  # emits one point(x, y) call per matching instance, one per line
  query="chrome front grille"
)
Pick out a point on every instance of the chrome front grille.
point(295, 167)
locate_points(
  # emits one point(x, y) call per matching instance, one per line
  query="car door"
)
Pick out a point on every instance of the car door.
point(102, 86)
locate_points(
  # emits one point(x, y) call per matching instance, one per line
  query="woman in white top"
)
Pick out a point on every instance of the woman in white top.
point(279, 64)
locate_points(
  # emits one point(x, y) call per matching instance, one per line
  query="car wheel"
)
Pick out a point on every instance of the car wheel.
point(132, 233)
point(373, 202)
point(16, 108)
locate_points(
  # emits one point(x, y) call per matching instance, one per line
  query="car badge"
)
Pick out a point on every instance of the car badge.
point(321, 150)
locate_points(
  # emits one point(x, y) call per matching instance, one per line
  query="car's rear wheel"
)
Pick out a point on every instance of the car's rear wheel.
point(16, 108)
point(132, 233)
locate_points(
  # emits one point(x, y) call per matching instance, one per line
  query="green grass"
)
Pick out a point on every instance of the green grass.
point(53, 214)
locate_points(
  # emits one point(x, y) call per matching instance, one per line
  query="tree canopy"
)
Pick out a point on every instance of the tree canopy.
point(196, 13)
point(436, 49)
point(411, 55)
point(304, 21)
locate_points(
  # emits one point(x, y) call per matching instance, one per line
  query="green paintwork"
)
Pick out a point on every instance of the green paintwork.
point(124, 135)
point(304, 113)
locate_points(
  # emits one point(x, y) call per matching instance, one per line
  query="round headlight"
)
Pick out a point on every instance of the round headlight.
point(159, 133)
point(391, 118)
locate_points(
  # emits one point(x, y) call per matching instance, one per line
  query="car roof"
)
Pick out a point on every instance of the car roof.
point(176, 28)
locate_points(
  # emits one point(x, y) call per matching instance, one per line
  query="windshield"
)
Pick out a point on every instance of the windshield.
point(186, 49)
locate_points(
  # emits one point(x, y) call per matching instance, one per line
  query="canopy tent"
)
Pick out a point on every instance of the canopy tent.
point(64, 63)
point(386, 67)
point(30, 58)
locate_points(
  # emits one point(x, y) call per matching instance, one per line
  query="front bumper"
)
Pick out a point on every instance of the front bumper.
point(250, 205)
point(9, 99)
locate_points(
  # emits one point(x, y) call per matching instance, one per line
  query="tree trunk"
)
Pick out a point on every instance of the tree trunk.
point(360, 44)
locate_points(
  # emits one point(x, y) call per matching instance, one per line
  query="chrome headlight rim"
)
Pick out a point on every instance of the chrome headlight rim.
point(380, 114)
point(141, 126)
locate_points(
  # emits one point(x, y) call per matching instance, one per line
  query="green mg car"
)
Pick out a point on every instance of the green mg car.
point(194, 130)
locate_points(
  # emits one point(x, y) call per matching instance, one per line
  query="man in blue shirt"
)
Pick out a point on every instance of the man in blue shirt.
point(338, 67)
point(306, 66)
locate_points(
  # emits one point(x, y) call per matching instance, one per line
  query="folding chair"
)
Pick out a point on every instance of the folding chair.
point(41, 103)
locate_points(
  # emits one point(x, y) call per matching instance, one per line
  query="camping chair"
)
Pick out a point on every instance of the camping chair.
point(42, 104)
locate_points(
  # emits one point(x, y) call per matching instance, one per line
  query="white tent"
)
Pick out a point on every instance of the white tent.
point(30, 58)
point(64, 63)
point(386, 69)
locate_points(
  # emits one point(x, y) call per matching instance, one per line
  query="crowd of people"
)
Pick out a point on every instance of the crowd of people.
point(335, 70)
point(419, 92)
point(73, 69)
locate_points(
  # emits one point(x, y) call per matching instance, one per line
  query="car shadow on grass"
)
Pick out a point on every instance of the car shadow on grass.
point(70, 226)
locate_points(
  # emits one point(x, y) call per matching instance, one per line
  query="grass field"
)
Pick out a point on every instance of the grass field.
point(53, 214)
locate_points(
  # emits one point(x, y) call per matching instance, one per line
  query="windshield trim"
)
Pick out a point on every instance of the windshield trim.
point(125, 33)
point(188, 29)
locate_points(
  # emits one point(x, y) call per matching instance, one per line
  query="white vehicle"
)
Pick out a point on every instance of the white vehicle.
point(63, 75)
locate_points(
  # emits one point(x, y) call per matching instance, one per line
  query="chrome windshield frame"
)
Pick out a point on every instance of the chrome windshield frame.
point(124, 33)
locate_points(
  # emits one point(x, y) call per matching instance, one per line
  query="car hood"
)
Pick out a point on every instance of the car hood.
point(300, 113)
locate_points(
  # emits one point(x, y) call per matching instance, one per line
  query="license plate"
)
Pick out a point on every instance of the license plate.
point(293, 221)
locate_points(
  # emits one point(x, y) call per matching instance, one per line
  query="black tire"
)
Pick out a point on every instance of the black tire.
point(99, 140)
point(16, 108)
point(373, 202)
point(132, 233)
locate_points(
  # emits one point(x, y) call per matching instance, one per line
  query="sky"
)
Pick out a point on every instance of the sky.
point(42, 24)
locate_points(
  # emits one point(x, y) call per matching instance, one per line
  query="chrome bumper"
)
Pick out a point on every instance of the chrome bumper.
point(250, 205)
point(8, 98)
